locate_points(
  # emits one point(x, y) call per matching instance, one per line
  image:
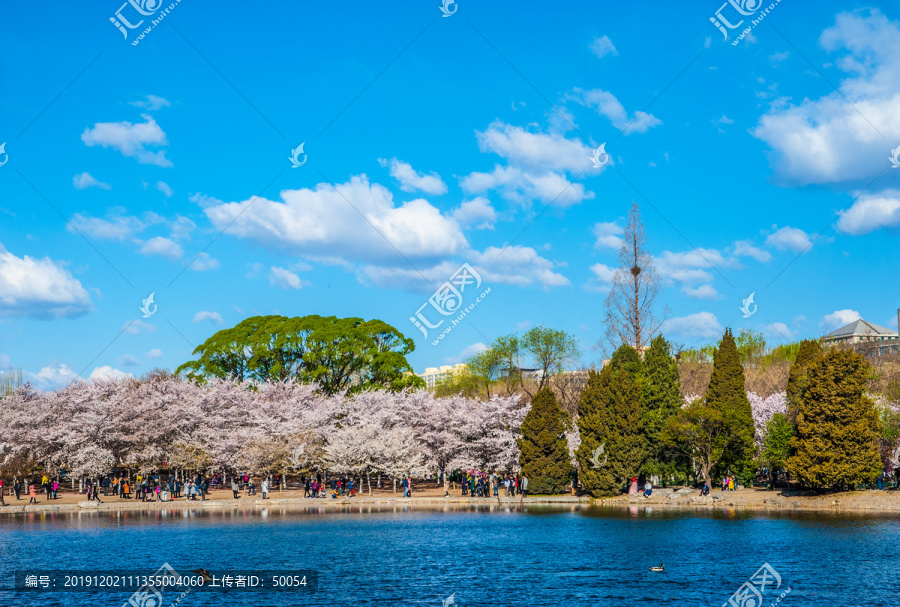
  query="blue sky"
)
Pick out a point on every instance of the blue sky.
point(430, 142)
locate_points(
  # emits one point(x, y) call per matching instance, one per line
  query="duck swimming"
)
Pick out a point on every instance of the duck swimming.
point(660, 568)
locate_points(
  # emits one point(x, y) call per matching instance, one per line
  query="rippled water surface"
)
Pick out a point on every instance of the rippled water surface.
point(533, 556)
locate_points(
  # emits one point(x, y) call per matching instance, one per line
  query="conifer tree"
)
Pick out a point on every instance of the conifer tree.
point(544, 452)
point(837, 424)
point(726, 393)
point(610, 415)
point(661, 399)
point(809, 352)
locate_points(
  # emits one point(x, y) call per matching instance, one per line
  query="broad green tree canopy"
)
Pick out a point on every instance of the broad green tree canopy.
point(338, 354)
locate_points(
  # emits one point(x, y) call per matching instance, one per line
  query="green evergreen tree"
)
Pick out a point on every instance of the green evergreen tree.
point(837, 424)
point(727, 395)
point(809, 352)
point(777, 444)
point(593, 426)
point(661, 399)
point(611, 417)
point(544, 451)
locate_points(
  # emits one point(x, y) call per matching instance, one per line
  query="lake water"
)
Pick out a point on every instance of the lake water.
point(533, 556)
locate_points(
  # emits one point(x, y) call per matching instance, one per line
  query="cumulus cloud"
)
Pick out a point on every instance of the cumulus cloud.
point(320, 222)
point(130, 139)
point(284, 278)
point(477, 213)
point(51, 376)
point(83, 181)
point(609, 235)
point(871, 212)
point(601, 279)
point(155, 353)
point(204, 262)
point(411, 181)
point(603, 46)
point(162, 246)
point(789, 239)
point(828, 140)
point(691, 267)
point(113, 228)
point(745, 248)
point(39, 288)
point(606, 104)
point(213, 317)
point(838, 319)
point(535, 168)
point(699, 326)
point(106, 372)
point(779, 330)
point(701, 292)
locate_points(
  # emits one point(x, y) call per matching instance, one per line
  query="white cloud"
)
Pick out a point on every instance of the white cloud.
point(113, 228)
point(603, 46)
point(82, 181)
point(164, 187)
point(522, 187)
point(154, 353)
point(745, 248)
point(411, 181)
point(130, 139)
point(467, 352)
point(152, 102)
point(127, 360)
point(829, 140)
point(39, 288)
point(536, 152)
point(137, 326)
point(871, 212)
point(321, 223)
point(213, 317)
point(284, 278)
point(690, 267)
point(838, 319)
point(606, 104)
point(51, 376)
point(608, 235)
point(106, 373)
point(789, 239)
point(164, 247)
point(701, 292)
point(477, 213)
point(702, 325)
point(602, 278)
point(204, 262)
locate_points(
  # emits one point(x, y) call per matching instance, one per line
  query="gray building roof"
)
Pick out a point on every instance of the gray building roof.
point(861, 327)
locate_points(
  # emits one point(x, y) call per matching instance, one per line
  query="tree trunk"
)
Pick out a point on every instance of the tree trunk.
point(395, 484)
point(369, 481)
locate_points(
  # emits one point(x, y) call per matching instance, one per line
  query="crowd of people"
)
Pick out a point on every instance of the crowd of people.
point(475, 483)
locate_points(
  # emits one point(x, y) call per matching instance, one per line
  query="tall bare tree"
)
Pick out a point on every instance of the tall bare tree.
point(630, 315)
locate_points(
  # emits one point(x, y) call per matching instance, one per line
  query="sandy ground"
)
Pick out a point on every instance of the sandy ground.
point(430, 494)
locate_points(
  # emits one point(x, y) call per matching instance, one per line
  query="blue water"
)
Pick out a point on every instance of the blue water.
point(533, 556)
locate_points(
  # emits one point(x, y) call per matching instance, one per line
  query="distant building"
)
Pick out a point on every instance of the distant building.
point(866, 337)
point(435, 375)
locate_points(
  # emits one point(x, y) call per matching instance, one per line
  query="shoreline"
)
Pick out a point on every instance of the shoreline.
point(884, 502)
